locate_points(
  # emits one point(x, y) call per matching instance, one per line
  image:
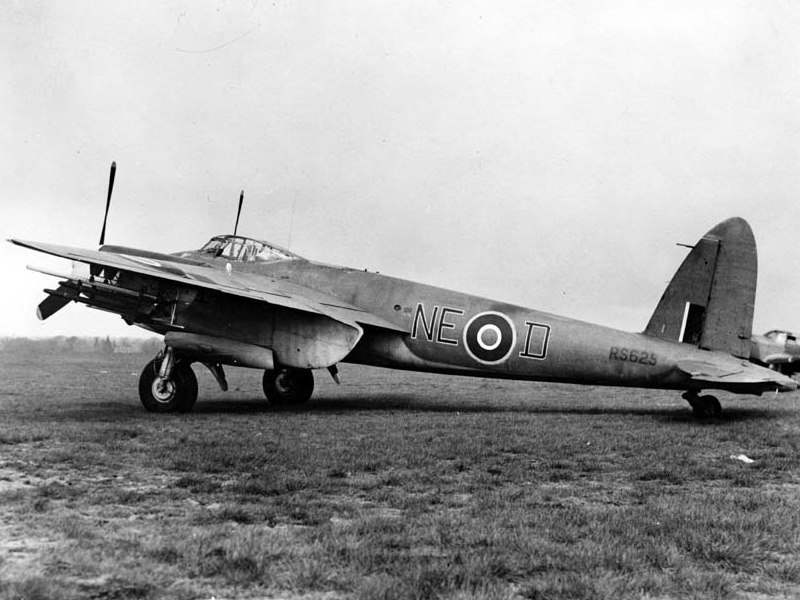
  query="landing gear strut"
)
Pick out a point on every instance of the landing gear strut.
point(286, 386)
point(168, 384)
point(703, 406)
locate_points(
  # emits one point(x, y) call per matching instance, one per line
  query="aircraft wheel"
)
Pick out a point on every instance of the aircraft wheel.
point(707, 406)
point(176, 394)
point(288, 387)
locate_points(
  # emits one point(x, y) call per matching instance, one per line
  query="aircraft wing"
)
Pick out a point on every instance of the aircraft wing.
point(735, 374)
point(323, 329)
point(247, 285)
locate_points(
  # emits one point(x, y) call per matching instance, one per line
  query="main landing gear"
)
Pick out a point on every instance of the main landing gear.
point(168, 384)
point(286, 386)
point(703, 406)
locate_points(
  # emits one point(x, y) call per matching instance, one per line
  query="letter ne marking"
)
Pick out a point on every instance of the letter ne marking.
point(420, 315)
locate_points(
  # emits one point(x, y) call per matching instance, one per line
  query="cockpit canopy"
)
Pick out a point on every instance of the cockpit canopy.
point(781, 337)
point(242, 249)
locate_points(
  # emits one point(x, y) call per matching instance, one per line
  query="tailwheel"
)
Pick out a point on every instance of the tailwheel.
point(286, 386)
point(176, 392)
point(703, 406)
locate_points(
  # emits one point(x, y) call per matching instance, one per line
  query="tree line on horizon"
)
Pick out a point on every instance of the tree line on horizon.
point(81, 345)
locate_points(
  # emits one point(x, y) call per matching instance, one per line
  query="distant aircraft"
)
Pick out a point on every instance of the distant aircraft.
point(249, 303)
point(776, 349)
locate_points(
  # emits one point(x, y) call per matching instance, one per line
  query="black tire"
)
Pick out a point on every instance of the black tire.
point(706, 406)
point(712, 406)
point(287, 386)
point(178, 395)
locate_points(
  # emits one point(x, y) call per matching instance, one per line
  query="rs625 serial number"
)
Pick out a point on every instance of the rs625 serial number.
point(639, 357)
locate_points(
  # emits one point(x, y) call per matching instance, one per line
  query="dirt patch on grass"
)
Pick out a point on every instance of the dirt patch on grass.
point(13, 479)
point(21, 550)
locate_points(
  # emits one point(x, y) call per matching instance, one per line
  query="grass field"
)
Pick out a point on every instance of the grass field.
point(393, 485)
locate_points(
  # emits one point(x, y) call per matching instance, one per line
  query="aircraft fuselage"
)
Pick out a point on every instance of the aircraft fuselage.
point(456, 333)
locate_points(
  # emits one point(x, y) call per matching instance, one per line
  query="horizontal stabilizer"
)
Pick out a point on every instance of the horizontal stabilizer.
point(735, 374)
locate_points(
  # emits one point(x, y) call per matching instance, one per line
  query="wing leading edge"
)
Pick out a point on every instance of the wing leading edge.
point(256, 287)
point(316, 330)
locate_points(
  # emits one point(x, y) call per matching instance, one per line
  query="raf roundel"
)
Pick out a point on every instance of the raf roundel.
point(489, 337)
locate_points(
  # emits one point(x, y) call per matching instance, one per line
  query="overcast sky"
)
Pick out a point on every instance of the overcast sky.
point(546, 153)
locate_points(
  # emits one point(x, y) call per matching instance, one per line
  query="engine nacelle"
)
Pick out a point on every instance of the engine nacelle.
point(210, 349)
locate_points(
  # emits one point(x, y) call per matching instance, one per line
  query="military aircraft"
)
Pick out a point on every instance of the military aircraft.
point(250, 303)
point(776, 349)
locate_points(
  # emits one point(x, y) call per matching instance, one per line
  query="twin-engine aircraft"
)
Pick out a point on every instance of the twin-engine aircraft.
point(249, 303)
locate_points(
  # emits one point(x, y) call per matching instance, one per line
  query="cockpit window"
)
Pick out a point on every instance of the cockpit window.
point(780, 337)
point(213, 247)
point(239, 249)
point(270, 253)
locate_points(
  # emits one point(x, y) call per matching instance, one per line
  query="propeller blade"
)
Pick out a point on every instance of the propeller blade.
point(239, 212)
point(108, 201)
point(51, 305)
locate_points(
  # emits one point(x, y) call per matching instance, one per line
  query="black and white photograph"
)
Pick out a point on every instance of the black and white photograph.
point(399, 300)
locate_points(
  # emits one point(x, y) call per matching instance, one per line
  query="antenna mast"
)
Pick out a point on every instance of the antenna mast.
point(239, 212)
point(108, 201)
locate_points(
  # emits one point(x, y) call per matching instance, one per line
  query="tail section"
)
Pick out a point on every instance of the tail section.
point(709, 302)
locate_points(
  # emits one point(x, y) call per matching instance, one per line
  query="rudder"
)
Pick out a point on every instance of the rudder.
point(709, 302)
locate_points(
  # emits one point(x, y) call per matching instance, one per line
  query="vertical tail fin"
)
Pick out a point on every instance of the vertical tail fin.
point(709, 302)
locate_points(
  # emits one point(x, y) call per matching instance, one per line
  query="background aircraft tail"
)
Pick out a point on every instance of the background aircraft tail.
point(709, 302)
